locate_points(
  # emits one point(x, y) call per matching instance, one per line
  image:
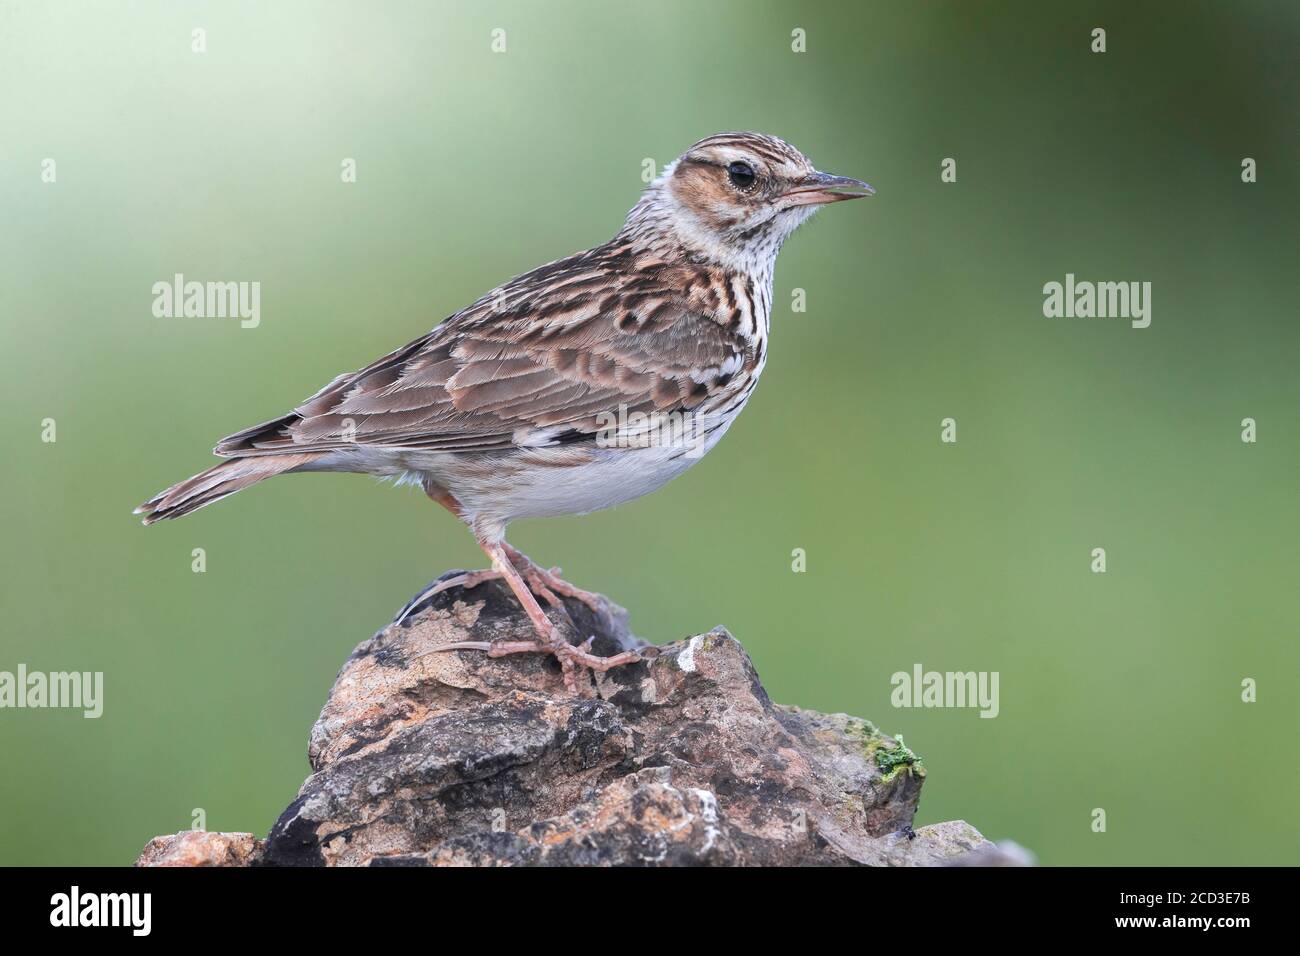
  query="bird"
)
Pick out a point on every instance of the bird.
point(585, 383)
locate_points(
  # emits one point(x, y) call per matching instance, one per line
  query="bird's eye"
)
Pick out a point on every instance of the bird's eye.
point(742, 175)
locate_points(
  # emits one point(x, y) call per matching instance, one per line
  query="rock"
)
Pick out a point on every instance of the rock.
point(200, 848)
point(422, 757)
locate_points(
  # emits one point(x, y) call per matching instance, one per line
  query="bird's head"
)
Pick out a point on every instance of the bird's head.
point(735, 197)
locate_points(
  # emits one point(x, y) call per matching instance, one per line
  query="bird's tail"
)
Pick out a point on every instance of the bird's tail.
point(217, 482)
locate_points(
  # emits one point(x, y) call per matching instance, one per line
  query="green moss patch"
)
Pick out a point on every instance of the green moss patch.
point(890, 760)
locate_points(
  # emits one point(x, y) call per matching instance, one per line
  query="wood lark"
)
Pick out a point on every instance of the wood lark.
point(578, 386)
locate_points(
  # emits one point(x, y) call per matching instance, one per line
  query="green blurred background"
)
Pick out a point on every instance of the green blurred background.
point(1119, 691)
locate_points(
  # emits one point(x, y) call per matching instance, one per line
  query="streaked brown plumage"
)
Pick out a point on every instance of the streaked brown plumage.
point(504, 410)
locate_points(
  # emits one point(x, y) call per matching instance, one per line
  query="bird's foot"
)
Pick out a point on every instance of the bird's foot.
point(571, 657)
point(528, 581)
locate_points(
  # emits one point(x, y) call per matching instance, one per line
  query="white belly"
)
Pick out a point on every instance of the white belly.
point(546, 483)
point(495, 488)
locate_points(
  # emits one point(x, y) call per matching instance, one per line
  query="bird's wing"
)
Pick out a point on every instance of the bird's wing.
point(535, 363)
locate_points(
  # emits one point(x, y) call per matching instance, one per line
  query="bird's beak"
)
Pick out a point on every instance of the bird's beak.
point(820, 188)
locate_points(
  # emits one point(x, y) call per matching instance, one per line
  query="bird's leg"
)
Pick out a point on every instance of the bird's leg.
point(546, 583)
point(521, 574)
point(550, 640)
point(549, 635)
